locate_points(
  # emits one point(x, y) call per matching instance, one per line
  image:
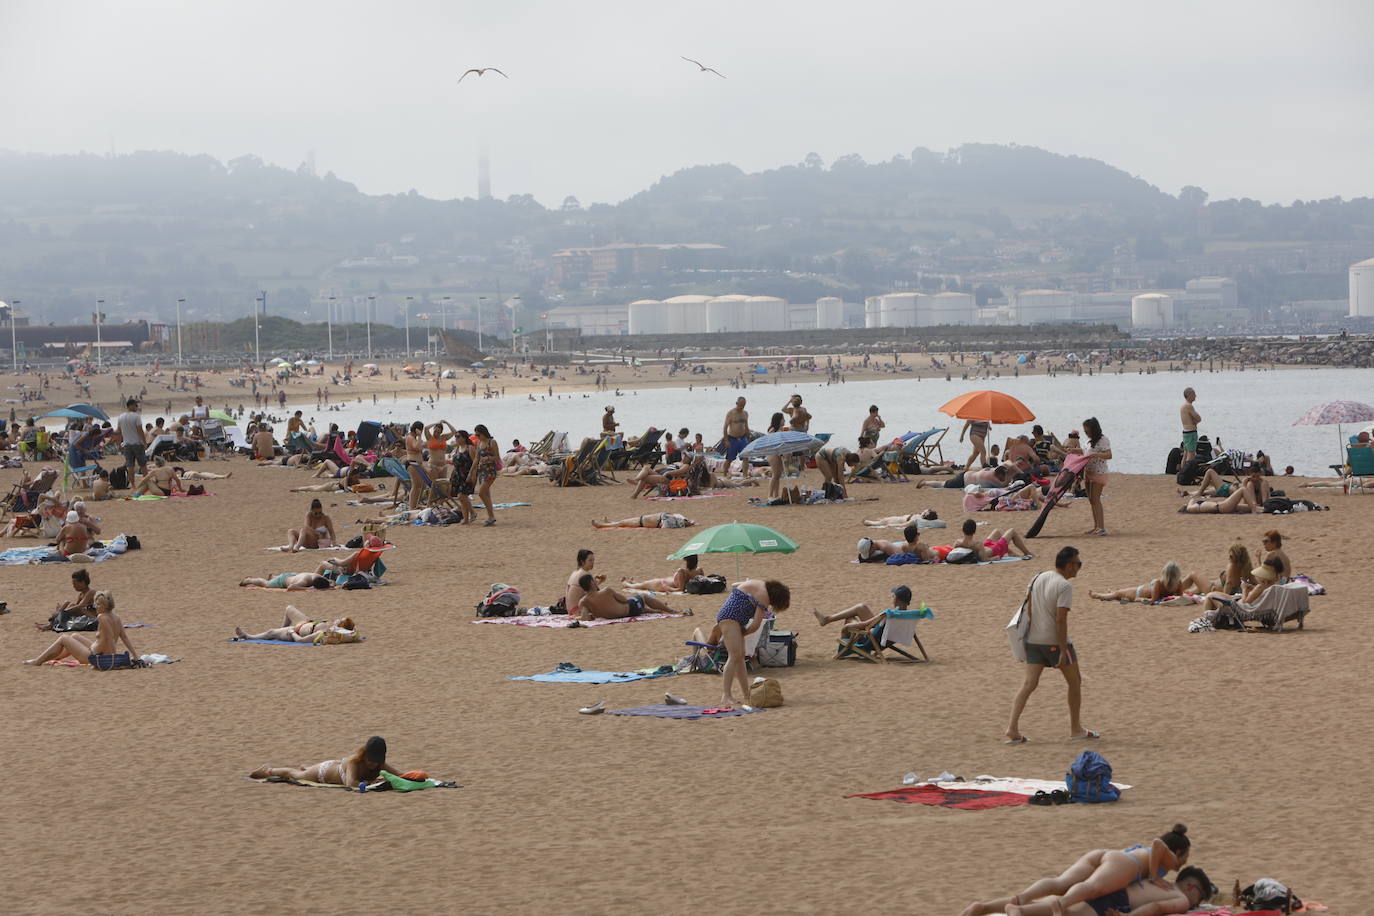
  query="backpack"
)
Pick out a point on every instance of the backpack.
point(356, 580)
point(1189, 474)
point(119, 478)
point(1089, 779)
point(502, 601)
point(705, 585)
point(1171, 464)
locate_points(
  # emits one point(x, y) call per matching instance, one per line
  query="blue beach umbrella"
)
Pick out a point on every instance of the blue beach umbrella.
point(89, 410)
point(67, 413)
point(787, 442)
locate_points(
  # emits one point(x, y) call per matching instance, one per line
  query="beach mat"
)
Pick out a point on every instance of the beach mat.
point(270, 642)
point(562, 621)
point(567, 673)
point(664, 711)
point(963, 799)
point(394, 782)
point(902, 560)
point(669, 499)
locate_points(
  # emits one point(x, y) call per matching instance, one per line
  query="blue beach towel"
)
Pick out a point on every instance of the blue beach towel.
point(567, 673)
point(272, 642)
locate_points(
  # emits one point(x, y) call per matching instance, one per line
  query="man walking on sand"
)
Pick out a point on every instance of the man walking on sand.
point(1048, 644)
point(736, 434)
point(1190, 418)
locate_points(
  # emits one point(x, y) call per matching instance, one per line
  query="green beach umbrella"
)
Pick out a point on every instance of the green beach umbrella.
point(224, 418)
point(736, 538)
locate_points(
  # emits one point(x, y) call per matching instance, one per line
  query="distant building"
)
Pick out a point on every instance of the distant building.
point(590, 320)
point(1362, 289)
point(597, 267)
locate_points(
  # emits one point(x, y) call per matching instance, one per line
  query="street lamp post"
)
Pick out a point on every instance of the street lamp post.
point(14, 346)
point(371, 307)
point(480, 300)
point(179, 301)
point(428, 337)
point(409, 301)
point(99, 309)
point(257, 348)
point(329, 321)
point(443, 324)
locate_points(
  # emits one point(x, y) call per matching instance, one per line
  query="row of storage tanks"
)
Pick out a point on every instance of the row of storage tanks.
point(715, 314)
point(919, 310)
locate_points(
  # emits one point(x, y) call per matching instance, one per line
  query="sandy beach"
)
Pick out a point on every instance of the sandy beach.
point(1243, 737)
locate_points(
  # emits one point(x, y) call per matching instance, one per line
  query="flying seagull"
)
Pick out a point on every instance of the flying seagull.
point(704, 68)
point(480, 71)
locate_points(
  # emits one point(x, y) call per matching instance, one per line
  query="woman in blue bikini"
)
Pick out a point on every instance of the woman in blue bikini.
point(1102, 876)
point(742, 613)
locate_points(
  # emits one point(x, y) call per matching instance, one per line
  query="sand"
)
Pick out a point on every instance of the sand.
point(127, 791)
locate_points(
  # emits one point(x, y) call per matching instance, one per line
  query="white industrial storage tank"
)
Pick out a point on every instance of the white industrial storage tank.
point(898, 310)
point(829, 313)
point(766, 313)
point(725, 313)
point(646, 316)
point(1362, 289)
point(873, 312)
point(1034, 306)
point(1152, 310)
point(685, 314)
point(949, 308)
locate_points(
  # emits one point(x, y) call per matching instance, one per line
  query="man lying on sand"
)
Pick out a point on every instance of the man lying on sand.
point(901, 521)
point(910, 543)
point(993, 547)
point(608, 604)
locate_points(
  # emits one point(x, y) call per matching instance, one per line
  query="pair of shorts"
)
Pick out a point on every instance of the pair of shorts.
point(998, 547)
point(1037, 654)
point(736, 446)
point(135, 455)
point(278, 581)
point(1224, 490)
point(1189, 443)
point(636, 606)
point(1117, 900)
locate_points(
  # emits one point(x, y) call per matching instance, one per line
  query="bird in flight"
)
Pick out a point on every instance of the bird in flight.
point(703, 67)
point(480, 71)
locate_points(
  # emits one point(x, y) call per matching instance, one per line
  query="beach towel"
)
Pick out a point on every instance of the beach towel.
point(1313, 587)
point(668, 499)
point(285, 547)
point(32, 556)
point(664, 711)
point(387, 782)
point(921, 523)
point(271, 642)
point(568, 673)
point(909, 559)
point(563, 621)
point(963, 799)
point(502, 505)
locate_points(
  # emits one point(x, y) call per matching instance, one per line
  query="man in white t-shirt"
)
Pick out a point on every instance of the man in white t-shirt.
point(1048, 644)
point(199, 413)
point(133, 439)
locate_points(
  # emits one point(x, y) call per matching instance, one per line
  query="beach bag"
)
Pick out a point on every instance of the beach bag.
point(1175, 459)
point(1269, 894)
point(1089, 779)
point(119, 478)
point(832, 491)
point(355, 542)
point(113, 661)
point(961, 555)
point(1019, 627)
point(132, 543)
point(195, 489)
point(1278, 505)
point(356, 580)
point(767, 694)
point(502, 601)
point(72, 620)
point(779, 650)
point(1189, 474)
point(705, 585)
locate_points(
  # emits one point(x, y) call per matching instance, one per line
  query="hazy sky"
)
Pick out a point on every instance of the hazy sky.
point(1261, 98)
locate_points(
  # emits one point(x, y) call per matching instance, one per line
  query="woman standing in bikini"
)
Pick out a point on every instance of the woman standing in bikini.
point(743, 613)
point(1095, 472)
point(775, 425)
point(108, 635)
point(366, 764)
point(414, 444)
point(484, 471)
point(977, 431)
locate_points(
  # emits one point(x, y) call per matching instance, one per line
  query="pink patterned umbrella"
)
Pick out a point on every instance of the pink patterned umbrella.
point(1337, 412)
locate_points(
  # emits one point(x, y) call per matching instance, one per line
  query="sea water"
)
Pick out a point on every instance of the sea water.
point(1247, 410)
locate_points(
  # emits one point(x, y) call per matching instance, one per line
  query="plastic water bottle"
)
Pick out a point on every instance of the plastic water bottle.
point(362, 788)
point(910, 779)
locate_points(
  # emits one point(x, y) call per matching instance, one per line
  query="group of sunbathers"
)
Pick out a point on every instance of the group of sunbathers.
point(586, 597)
point(1238, 581)
point(996, 545)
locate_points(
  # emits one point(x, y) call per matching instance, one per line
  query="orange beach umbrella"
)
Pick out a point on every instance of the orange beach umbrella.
point(992, 406)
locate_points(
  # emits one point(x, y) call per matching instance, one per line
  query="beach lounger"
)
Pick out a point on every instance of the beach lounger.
point(896, 629)
point(928, 451)
point(395, 469)
point(1278, 605)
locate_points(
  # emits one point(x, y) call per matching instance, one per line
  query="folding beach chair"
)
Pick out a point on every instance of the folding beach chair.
point(1278, 605)
point(928, 450)
point(569, 471)
point(896, 629)
point(710, 659)
point(429, 492)
point(216, 441)
point(395, 469)
point(645, 452)
point(1359, 464)
point(541, 448)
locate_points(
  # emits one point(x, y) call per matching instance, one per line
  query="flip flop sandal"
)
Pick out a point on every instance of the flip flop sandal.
point(1061, 797)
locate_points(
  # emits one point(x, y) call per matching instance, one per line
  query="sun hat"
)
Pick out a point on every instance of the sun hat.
point(1264, 572)
point(73, 517)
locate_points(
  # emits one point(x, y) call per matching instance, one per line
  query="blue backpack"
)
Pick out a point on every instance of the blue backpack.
point(1090, 779)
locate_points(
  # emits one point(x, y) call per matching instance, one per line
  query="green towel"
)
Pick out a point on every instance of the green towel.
point(407, 785)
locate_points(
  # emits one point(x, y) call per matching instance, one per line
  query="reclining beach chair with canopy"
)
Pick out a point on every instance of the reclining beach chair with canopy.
point(895, 629)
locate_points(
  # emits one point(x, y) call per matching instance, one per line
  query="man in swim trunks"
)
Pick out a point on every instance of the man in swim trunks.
point(911, 535)
point(650, 520)
point(993, 547)
point(736, 433)
point(609, 604)
point(1190, 418)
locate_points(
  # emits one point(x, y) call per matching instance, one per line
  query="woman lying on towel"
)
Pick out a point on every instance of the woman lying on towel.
point(674, 583)
point(1241, 501)
point(901, 521)
point(108, 635)
point(1102, 879)
point(652, 520)
point(292, 582)
point(1170, 583)
point(297, 628)
point(1153, 898)
point(365, 765)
